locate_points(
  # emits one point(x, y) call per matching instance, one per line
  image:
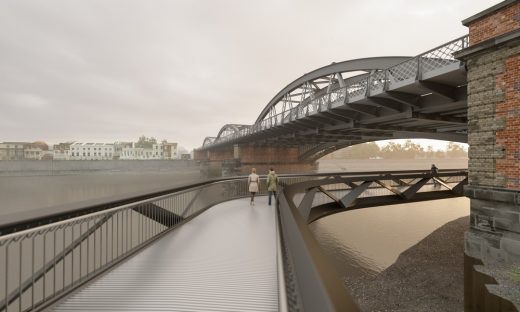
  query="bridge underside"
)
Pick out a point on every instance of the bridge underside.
point(325, 110)
point(418, 110)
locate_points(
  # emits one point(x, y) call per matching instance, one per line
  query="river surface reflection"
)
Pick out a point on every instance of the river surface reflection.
point(367, 241)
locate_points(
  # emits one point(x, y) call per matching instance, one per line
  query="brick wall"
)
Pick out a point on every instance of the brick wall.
point(496, 24)
point(483, 124)
point(508, 110)
point(254, 154)
point(221, 154)
point(494, 102)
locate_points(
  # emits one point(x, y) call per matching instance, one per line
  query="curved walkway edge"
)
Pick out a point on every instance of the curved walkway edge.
point(223, 260)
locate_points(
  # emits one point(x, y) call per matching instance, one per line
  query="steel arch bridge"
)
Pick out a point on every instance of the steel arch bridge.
point(362, 100)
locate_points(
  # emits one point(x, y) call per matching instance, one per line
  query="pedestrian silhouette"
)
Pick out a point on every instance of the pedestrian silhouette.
point(434, 171)
point(253, 181)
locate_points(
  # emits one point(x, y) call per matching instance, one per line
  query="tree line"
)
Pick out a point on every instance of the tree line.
point(394, 150)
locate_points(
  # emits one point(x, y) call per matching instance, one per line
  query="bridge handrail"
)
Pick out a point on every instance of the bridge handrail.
point(45, 263)
point(65, 254)
point(307, 271)
point(376, 81)
point(21, 221)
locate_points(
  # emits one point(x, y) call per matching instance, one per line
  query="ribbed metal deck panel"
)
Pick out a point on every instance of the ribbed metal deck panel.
point(223, 260)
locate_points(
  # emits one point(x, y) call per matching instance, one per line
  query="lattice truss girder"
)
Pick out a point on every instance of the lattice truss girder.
point(425, 93)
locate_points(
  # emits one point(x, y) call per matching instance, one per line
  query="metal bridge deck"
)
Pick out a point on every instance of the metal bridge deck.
point(222, 260)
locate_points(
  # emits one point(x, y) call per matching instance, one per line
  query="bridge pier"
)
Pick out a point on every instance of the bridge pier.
point(492, 244)
point(240, 158)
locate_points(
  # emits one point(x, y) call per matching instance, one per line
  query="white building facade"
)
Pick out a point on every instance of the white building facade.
point(32, 153)
point(140, 153)
point(91, 151)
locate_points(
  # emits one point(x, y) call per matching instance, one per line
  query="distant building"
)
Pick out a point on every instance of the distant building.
point(47, 155)
point(61, 151)
point(169, 150)
point(186, 156)
point(32, 153)
point(141, 153)
point(91, 151)
point(12, 150)
point(118, 148)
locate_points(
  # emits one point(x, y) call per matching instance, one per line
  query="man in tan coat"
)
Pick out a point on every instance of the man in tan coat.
point(272, 182)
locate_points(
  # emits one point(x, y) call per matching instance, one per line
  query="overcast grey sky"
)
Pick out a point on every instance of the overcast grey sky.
point(110, 70)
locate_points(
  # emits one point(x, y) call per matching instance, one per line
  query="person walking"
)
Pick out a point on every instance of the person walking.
point(272, 182)
point(253, 181)
point(434, 171)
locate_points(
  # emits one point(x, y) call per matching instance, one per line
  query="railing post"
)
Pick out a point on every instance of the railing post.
point(419, 68)
point(369, 81)
point(385, 85)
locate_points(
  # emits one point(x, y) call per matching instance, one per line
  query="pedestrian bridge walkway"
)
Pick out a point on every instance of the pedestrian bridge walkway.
point(223, 260)
point(200, 247)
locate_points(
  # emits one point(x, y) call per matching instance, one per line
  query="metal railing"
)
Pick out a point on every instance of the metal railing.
point(311, 283)
point(375, 82)
point(40, 265)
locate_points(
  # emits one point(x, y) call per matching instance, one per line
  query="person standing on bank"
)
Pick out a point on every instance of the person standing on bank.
point(434, 171)
point(272, 182)
point(253, 181)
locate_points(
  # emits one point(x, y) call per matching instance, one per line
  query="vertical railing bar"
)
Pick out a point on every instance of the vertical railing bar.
point(44, 264)
point(7, 276)
point(63, 261)
point(101, 246)
point(94, 255)
point(112, 239)
point(88, 251)
point(20, 254)
point(81, 252)
point(32, 272)
point(55, 263)
point(117, 236)
point(106, 241)
point(72, 258)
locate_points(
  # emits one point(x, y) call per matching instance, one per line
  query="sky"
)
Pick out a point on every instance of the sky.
point(113, 70)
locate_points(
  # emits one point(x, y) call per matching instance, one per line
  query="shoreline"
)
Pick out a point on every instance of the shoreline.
point(428, 276)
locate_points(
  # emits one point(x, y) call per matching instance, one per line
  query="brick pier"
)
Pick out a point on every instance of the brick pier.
point(492, 244)
point(239, 159)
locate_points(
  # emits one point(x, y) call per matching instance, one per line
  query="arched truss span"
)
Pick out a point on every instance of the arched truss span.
point(208, 141)
point(365, 100)
point(230, 130)
point(324, 80)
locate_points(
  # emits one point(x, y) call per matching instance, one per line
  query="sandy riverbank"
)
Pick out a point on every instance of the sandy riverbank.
point(426, 277)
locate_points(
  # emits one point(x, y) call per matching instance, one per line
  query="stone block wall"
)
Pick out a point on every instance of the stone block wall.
point(492, 243)
point(493, 114)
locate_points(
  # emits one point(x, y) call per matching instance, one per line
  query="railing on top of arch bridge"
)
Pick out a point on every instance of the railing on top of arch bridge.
point(415, 68)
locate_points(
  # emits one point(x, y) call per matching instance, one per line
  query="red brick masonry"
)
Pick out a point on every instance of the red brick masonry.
point(496, 24)
point(509, 137)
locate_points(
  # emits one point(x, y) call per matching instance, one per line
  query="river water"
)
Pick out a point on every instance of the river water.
point(367, 241)
point(364, 241)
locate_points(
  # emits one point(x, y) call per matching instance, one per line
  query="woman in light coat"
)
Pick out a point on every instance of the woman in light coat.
point(253, 181)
